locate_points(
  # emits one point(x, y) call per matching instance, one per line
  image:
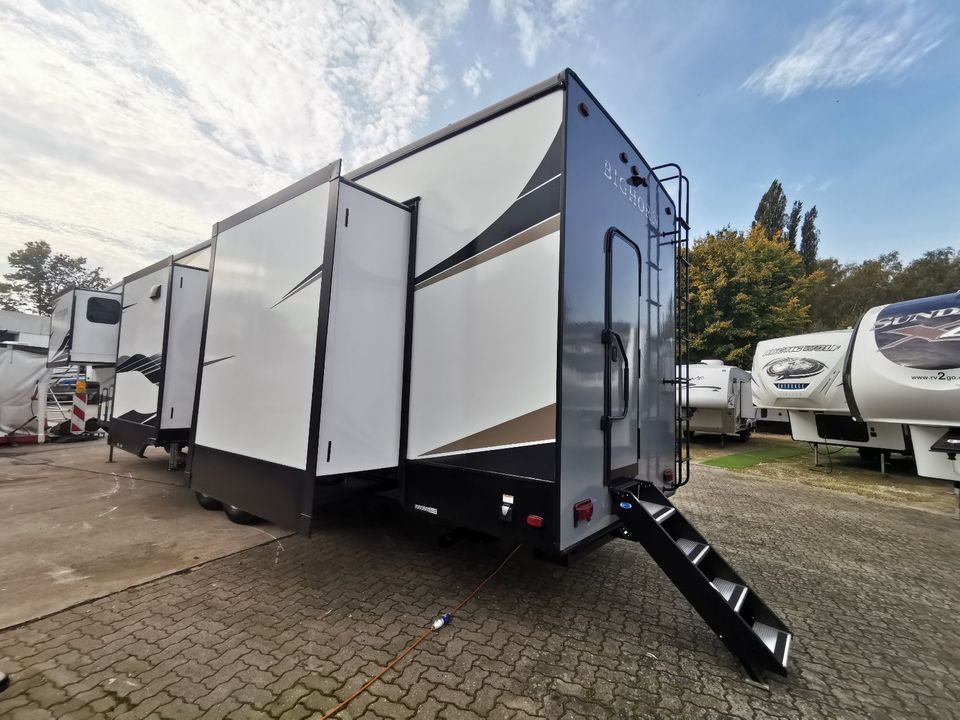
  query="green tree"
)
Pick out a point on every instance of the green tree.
point(936, 272)
point(809, 240)
point(6, 297)
point(743, 289)
point(38, 275)
point(793, 223)
point(771, 213)
point(841, 294)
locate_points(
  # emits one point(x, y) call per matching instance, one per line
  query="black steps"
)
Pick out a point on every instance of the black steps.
point(777, 641)
point(732, 592)
point(695, 551)
point(749, 629)
point(658, 512)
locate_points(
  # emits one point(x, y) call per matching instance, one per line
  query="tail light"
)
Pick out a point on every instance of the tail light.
point(582, 512)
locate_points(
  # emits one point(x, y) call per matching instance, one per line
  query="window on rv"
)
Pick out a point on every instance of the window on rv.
point(103, 310)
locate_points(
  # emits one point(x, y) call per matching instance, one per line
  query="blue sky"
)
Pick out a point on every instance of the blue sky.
point(128, 128)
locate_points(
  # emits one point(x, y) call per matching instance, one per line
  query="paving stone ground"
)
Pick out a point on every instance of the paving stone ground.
point(871, 591)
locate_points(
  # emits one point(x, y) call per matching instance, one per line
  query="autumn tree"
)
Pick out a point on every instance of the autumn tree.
point(38, 275)
point(743, 289)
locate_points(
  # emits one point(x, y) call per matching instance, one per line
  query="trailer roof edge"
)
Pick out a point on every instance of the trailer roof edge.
point(74, 288)
point(301, 186)
point(165, 262)
point(191, 250)
point(545, 87)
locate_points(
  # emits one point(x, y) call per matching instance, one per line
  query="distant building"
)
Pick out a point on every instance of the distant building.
point(24, 329)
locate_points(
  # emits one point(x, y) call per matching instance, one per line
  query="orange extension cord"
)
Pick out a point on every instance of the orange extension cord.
point(390, 665)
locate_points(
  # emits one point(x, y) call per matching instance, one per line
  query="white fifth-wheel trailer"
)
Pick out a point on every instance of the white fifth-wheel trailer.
point(903, 367)
point(485, 317)
point(83, 328)
point(158, 352)
point(721, 400)
point(803, 375)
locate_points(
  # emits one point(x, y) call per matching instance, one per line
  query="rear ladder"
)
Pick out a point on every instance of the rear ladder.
point(679, 239)
point(749, 629)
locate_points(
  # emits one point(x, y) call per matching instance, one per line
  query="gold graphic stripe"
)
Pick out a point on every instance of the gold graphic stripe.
point(537, 426)
point(524, 237)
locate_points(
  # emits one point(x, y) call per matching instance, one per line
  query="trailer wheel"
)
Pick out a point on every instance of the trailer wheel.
point(868, 454)
point(744, 435)
point(207, 502)
point(241, 517)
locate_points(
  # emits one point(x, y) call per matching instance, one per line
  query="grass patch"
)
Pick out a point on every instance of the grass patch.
point(778, 457)
point(737, 461)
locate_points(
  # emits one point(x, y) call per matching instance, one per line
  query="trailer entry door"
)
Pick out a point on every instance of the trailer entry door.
point(622, 367)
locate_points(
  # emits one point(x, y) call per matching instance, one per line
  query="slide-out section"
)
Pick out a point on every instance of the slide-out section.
point(363, 361)
point(188, 289)
point(84, 328)
point(139, 372)
point(303, 352)
point(483, 383)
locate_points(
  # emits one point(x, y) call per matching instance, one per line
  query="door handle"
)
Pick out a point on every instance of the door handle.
point(624, 373)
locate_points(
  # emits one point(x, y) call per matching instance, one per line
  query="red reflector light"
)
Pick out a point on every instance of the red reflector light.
point(668, 476)
point(534, 521)
point(582, 511)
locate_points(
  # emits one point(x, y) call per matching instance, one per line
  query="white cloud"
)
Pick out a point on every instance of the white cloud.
point(441, 17)
point(128, 127)
point(539, 24)
point(474, 76)
point(799, 186)
point(856, 42)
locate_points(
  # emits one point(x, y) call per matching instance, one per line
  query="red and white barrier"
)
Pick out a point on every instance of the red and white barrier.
point(78, 417)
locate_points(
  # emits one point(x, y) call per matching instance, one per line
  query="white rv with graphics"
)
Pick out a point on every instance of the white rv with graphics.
point(484, 317)
point(83, 328)
point(803, 375)
point(721, 400)
point(904, 368)
point(157, 353)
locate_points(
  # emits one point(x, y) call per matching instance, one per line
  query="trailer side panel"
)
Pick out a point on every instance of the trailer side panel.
point(140, 356)
point(483, 385)
point(363, 364)
point(258, 364)
point(188, 290)
point(485, 303)
point(96, 318)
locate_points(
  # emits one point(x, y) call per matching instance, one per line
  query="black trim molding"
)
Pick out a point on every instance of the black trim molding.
point(278, 198)
point(159, 265)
